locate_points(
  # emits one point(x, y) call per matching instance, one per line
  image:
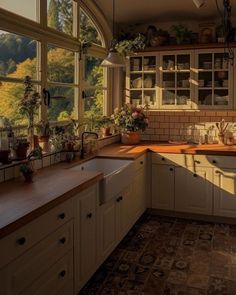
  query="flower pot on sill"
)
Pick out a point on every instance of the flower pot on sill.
point(44, 143)
point(105, 131)
point(130, 137)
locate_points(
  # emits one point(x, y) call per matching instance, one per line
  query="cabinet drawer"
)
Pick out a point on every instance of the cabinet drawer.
point(140, 162)
point(170, 159)
point(58, 280)
point(223, 161)
point(19, 274)
point(22, 239)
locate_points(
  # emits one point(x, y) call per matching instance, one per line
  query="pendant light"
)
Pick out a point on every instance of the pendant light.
point(199, 3)
point(114, 59)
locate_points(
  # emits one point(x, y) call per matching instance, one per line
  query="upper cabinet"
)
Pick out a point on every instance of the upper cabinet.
point(180, 79)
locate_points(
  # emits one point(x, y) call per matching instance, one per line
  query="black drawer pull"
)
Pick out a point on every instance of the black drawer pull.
point(89, 215)
point(62, 216)
point(121, 198)
point(163, 159)
point(171, 169)
point(62, 273)
point(194, 175)
point(214, 162)
point(197, 162)
point(141, 162)
point(63, 240)
point(21, 241)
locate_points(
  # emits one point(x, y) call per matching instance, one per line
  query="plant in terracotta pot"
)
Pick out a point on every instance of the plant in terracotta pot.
point(20, 147)
point(105, 123)
point(182, 34)
point(131, 120)
point(27, 168)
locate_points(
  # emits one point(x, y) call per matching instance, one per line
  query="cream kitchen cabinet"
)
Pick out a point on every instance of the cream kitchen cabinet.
point(85, 246)
point(163, 181)
point(225, 192)
point(34, 250)
point(193, 190)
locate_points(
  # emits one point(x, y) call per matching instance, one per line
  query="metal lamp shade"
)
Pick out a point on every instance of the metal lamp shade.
point(113, 60)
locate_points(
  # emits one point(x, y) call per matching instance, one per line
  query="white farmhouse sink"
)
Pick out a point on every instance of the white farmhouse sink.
point(118, 173)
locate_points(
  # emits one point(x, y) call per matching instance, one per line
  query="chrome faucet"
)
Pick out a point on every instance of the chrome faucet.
point(82, 147)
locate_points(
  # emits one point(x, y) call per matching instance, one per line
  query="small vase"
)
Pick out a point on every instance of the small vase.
point(44, 143)
point(105, 131)
point(130, 137)
point(221, 138)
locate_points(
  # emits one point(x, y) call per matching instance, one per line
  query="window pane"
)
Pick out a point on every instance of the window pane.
point(60, 15)
point(10, 95)
point(61, 65)
point(88, 31)
point(62, 105)
point(94, 84)
point(26, 8)
point(18, 56)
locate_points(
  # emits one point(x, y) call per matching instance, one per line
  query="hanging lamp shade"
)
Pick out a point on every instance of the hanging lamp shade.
point(113, 59)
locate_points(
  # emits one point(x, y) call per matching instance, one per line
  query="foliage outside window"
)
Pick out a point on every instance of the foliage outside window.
point(94, 88)
point(60, 15)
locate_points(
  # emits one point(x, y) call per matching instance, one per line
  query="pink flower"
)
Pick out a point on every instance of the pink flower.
point(135, 115)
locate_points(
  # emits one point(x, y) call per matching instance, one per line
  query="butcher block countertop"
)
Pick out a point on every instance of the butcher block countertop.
point(20, 203)
point(132, 152)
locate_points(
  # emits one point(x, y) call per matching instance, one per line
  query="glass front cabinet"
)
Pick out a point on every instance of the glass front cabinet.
point(195, 79)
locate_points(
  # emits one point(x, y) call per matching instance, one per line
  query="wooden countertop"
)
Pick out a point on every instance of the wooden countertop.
point(20, 203)
point(132, 152)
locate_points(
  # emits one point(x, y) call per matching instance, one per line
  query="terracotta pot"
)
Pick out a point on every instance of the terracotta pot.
point(105, 131)
point(130, 137)
point(4, 154)
point(21, 150)
point(44, 143)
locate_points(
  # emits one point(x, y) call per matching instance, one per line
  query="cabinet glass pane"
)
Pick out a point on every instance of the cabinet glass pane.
point(205, 97)
point(182, 97)
point(136, 97)
point(221, 97)
point(205, 79)
point(183, 80)
point(168, 97)
point(168, 80)
point(205, 61)
point(150, 97)
point(135, 64)
point(183, 62)
point(221, 79)
point(221, 61)
point(149, 81)
point(149, 63)
point(169, 62)
point(136, 81)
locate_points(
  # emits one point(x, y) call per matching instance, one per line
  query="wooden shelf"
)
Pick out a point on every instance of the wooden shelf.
point(186, 47)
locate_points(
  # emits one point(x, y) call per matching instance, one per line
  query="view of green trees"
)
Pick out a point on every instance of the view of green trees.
point(18, 59)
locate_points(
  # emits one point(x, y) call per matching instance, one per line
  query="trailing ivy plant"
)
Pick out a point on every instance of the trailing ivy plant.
point(128, 46)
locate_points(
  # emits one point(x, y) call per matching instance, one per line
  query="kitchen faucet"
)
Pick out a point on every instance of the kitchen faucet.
point(82, 147)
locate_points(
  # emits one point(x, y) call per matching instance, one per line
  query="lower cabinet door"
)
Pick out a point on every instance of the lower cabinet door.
point(163, 178)
point(194, 190)
point(225, 192)
point(107, 234)
point(58, 280)
point(139, 193)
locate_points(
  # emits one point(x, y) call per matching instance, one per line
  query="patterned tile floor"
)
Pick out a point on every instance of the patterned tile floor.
point(162, 255)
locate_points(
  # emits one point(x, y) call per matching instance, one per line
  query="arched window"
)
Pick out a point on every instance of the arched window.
point(49, 46)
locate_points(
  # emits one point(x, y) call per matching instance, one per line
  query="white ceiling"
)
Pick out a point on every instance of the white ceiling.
point(146, 11)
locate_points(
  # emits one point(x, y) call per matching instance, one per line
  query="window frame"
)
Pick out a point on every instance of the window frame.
point(40, 32)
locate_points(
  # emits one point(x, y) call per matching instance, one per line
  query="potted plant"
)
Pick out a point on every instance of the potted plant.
point(27, 168)
point(182, 34)
point(131, 44)
point(130, 120)
point(20, 147)
point(104, 123)
point(44, 135)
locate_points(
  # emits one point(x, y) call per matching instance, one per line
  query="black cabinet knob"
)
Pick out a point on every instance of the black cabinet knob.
point(214, 162)
point(163, 159)
point(171, 169)
point(121, 198)
point(89, 215)
point(63, 240)
point(62, 216)
point(62, 273)
point(21, 241)
point(194, 175)
point(141, 162)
